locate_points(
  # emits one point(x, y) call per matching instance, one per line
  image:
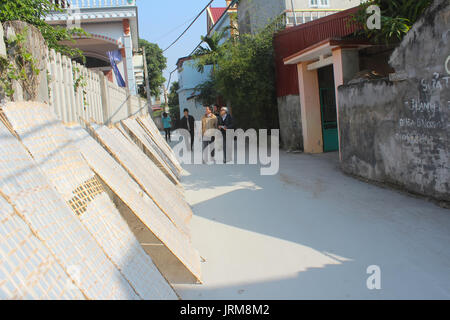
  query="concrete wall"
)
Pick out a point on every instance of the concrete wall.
point(111, 29)
point(254, 15)
point(158, 123)
point(114, 30)
point(35, 87)
point(398, 132)
point(221, 25)
point(99, 99)
point(2, 56)
point(332, 4)
point(2, 43)
point(289, 114)
point(189, 78)
point(195, 108)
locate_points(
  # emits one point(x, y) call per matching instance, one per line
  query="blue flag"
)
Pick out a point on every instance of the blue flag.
point(114, 58)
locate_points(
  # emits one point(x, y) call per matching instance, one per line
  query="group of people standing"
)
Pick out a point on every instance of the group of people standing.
point(215, 118)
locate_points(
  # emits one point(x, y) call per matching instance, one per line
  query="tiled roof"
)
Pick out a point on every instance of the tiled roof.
point(216, 13)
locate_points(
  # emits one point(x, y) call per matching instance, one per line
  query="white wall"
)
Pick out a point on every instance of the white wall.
point(195, 108)
point(111, 29)
point(99, 100)
point(189, 78)
point(332, 4)
point(114, 30)
point(261, 12)
point(255, 14)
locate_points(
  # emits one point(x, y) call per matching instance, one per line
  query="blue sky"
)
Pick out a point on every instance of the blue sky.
point(162, 21)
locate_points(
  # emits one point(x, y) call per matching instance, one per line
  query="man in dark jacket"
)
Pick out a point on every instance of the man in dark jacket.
point(225, 121)
point(188, 123)
point(216, 111)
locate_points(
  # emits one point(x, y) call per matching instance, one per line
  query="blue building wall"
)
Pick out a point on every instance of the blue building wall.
point(189, 78)
point(221, 25)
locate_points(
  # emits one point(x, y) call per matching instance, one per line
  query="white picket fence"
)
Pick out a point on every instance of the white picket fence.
point(95, 98)
point(93, 3)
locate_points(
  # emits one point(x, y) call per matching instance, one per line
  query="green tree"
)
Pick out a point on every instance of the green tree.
point(156, 63)
point(33, 12)
point(210, 54)
point(244, 76)
point(174, 102)
point(207, 92)
point(397, 18)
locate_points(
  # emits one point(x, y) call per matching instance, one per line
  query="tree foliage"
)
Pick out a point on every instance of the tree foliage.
point(20, 66)
point(207, 92)
point(244, 76)
point(156, 63)
point(174, 102)
point(209, 55)
point(33, 12)
point(397, 18)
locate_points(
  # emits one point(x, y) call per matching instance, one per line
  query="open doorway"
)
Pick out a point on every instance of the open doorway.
point(327, 94)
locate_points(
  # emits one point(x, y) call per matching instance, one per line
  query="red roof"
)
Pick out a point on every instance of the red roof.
point(216, 13)
point(293, 40)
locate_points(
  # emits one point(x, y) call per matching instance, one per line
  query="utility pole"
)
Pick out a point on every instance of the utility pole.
point(293, 12)
point(147, 85)
point(165, 99)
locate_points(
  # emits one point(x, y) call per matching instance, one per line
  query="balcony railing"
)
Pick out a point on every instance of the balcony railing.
point(304, 16)
point(86, 4)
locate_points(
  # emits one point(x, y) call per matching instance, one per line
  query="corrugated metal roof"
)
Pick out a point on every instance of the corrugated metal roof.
point(292, 40)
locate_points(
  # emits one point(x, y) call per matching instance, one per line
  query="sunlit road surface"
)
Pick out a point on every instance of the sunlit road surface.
point(311, 232)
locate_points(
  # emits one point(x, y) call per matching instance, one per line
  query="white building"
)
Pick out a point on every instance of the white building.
point(256, 14)
point(112, 26)
point(217, 20)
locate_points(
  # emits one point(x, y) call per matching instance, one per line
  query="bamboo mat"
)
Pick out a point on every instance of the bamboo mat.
point(142, 206)
point(49, 143)
point(25, 187)
point(150, 128)
point(151, 149)
point(28, 270)
point(147, 175)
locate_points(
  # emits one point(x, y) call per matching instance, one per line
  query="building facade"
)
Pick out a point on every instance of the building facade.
point(217, 20)
point(112, 27)
point(254, 15)
point(189, 78)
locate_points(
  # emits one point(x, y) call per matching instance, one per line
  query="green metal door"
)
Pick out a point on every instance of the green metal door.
point(329, 119)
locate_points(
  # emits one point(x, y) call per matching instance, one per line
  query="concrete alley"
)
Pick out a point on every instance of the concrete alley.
point(311, 232)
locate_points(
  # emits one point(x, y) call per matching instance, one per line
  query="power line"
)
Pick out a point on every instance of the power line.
point(209, 32)
point(174, 29)
point(190, 25)
point(170, 77)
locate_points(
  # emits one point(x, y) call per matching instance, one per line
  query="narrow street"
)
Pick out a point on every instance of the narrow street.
point(310, 232)
point(222, 154)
